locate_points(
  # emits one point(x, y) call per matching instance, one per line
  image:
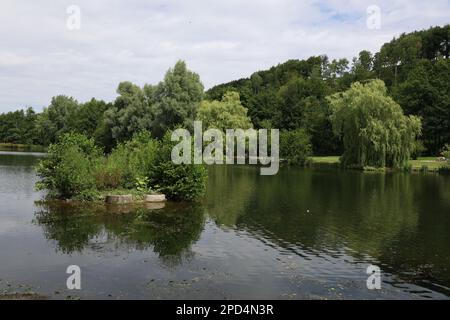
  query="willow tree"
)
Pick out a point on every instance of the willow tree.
point(225, 114)
point(374, 130)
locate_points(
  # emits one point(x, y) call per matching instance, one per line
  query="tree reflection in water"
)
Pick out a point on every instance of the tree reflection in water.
point(169, 231)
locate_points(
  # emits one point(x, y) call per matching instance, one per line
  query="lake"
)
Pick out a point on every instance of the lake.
point(306, 233)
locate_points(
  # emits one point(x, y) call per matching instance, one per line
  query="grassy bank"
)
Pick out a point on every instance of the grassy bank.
point(21, 147)
point(326, 160)
point(430, 164)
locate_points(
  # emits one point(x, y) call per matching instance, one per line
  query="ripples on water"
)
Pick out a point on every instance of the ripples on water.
point(304, 233)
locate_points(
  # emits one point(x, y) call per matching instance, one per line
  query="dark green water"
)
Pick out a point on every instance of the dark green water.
point(304, 233)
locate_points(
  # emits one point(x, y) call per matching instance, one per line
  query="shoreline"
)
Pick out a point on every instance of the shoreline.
point(22, 147)
point(420, 165)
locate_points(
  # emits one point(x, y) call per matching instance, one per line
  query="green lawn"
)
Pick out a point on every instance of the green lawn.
point(430, 162)
point(329, 159)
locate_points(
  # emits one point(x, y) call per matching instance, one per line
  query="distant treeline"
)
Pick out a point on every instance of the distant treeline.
point(415, 68)
point(290, 96)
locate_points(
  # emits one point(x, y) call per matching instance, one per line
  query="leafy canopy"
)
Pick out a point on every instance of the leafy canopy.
point(227, 113)
point(373, 127)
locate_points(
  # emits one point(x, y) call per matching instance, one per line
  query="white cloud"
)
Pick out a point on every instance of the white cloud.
point(221, 40)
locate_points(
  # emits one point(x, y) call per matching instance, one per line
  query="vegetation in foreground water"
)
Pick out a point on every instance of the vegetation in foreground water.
point(75, 168)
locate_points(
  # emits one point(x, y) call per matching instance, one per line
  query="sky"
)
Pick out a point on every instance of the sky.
point(85, 48)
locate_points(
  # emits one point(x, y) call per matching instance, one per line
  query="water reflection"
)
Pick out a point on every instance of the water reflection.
point(399, 221)
point(20, 159)
point(169, 231)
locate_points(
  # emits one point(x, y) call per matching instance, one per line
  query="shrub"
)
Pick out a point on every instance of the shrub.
point(185, 182)
point(68, 170)
point(128, 163)
point(295, 146)
point(76, 169)
point(142, 151)
point(109, 174)
point(446, 152)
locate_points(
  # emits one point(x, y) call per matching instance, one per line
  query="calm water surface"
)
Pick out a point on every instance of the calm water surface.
point(304, 233)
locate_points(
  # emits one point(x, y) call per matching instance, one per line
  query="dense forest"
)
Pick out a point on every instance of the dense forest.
point(415, 68)
point(291, 96)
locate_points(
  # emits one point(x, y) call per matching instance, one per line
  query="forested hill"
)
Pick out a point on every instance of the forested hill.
point(414, 66)
point(293, 95)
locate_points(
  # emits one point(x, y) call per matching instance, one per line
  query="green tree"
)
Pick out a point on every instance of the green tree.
point(182, 182)
point(68, 170)
point(131, 113)
point(295, 146)
point(89, 115)
point(374, 129)
point(58, 118)
point(18, 127)
point(172, 102)
point(426, 93)
point(176, 99)
point(316, 122)
point(362, 66)
point(227, 113)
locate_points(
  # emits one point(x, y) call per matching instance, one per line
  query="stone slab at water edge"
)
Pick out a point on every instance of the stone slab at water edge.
point(155, 198)
point(119, 199)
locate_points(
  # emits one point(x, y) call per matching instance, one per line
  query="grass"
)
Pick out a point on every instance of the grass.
point(327, 160)
point(430, 163)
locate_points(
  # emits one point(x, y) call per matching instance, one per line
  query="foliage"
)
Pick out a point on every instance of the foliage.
point(172, 102)
point(446, 152)
point(128, 163)
point(185, 182)
point(418, 149)
point(362, 68)
point(292, 95)
point(415, 68)
point(374, 130)
point(68, 170)
point(176, 99)
point(132, 112)
point(18, 127)
point(141, 184)
point(227, 113)
point(58, 118)
point(295, 146)
point(425, 93)
point(75, 168)
point(88, 115)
